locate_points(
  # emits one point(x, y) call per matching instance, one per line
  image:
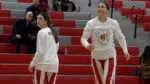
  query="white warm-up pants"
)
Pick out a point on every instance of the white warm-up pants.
point(104, 70)
point(41, 77)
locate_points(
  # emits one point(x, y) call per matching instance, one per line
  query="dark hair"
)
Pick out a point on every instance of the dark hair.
point(146, 54)
point(26, 14)
point(47, 18)
point(106, 4)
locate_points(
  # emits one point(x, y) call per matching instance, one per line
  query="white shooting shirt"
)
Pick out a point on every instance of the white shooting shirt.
point(46, 58)
point(102, 34)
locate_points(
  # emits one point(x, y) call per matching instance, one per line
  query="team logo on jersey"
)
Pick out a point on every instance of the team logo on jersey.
point(102, 35)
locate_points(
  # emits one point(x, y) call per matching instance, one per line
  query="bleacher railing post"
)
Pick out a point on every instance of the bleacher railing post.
point(89, 3)
point(136, 18)
point(112, 7)
point(135, 27)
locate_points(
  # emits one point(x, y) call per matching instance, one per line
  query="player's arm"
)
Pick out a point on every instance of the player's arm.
point(86, 35)
point(121, 39)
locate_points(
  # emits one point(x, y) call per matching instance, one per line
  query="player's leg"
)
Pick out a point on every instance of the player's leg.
point(109, 70)
point(51, 77)
point(98, 67)
point(40, 77)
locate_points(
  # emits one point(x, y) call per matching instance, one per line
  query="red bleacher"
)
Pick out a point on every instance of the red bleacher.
point(141, 13)
point(132, 11)
point(117, 3)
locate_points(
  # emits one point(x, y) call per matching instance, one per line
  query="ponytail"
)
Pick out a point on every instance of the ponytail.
point(54, 33)
point(46, 17)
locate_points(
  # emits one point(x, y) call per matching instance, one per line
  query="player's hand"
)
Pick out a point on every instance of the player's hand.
point(90, 47)
point(18, 36)
point(127, 55)
point(30, 69)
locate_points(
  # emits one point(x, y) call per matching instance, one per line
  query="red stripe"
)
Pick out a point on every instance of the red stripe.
point(96, 72)
point(52, 79)
point(46, 78)
point(38, 74)
point(110, 70)
point(102, 63)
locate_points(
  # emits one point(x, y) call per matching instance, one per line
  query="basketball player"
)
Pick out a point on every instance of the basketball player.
point(45, 61)
point(102, 29)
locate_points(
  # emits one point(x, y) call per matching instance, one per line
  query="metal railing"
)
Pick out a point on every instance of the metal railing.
point(136, 19)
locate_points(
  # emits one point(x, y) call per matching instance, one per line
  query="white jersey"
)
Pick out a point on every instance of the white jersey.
point(46, 58)
point(102, 34)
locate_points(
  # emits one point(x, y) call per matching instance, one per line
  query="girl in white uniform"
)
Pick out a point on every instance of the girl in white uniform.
point(102, 29)
point(45, 60)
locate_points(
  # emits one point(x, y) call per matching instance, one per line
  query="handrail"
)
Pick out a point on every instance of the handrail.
point(132, 9)
point(136, 18)
point(89, 4)
point(112, 7)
